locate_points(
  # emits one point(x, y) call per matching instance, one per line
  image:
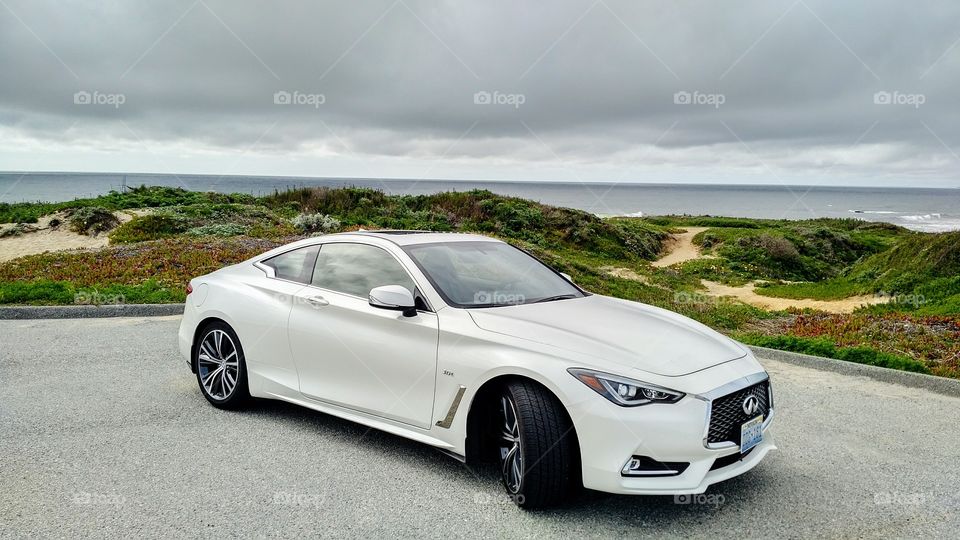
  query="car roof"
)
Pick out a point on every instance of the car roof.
point(406, 238)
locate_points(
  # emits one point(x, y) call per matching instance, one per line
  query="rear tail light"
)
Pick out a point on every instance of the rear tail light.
point(189, 289)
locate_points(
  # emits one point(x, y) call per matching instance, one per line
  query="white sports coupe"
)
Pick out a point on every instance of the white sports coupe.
point(475, 347)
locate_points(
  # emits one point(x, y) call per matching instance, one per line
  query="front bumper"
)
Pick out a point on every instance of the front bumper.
point(609, 435)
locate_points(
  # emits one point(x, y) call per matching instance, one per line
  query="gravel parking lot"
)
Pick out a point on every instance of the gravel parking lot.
point(103, 432)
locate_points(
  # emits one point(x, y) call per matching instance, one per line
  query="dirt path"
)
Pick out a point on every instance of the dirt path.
point(46, 238)
point(748, 295)
point(680, 248)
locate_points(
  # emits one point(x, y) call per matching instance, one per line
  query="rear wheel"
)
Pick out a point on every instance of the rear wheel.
point(536, 444)
point(221, 368)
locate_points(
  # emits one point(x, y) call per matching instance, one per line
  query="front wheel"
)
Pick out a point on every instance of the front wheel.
point(537, 447)
point(221, 367)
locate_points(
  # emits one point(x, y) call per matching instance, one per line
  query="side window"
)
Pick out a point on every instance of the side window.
point(357, 268)
point(296, 265)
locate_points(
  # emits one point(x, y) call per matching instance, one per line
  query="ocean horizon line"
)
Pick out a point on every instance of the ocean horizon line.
point(486, 181)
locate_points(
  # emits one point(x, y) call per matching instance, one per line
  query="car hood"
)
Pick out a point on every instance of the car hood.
point(631, 334)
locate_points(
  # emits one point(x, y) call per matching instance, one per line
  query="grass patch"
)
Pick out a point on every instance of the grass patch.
point(171, 263)
point(140, 197)
point(826, 348)
point(214, 219)
point(46, 292)
point(807, 250)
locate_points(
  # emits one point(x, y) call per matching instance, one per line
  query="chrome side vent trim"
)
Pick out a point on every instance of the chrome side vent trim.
point(448, 420)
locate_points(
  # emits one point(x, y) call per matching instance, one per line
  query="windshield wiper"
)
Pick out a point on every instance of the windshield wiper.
point(555, 297)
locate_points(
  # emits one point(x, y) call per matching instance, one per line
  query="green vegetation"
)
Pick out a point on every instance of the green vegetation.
point(217, 219)
point(477, 211)
point(920, 274)
point(316, 223)
point(809, 250)
point(825, 347)
point(170, 262)
point(219, 229)
point(92, 220)
point(176, 235)
point(141, 197)
point(16, 229)
point(43, 291)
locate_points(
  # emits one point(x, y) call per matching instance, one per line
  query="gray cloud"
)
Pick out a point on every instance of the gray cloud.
point(797, 80)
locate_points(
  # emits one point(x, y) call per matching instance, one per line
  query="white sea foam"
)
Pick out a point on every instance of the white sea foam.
point(924, 217)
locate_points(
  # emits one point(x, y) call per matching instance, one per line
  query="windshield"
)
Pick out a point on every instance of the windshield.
point(485, 274)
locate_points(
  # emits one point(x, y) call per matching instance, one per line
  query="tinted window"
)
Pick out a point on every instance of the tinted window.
point(296, 265)
point(357, 268)
point(483, 274)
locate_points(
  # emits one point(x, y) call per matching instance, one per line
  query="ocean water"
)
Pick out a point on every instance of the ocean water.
point(932, 210)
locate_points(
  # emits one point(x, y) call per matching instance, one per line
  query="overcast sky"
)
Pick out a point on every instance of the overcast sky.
point(769, 91)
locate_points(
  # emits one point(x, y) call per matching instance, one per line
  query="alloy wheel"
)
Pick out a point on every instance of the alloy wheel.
point(218, 364)
point(511, 449)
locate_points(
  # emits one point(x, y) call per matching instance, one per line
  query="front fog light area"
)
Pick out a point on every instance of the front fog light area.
point(647, 466)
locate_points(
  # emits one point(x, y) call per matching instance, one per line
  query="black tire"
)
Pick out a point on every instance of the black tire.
point(547, 446)
point(217, 389)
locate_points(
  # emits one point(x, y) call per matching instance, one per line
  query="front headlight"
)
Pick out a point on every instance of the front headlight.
point(623, 391)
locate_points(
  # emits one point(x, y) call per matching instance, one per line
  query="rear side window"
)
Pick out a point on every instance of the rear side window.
point(357, 268)
point(296, 265)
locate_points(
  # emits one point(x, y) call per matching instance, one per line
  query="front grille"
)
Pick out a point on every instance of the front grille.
point(726, 414)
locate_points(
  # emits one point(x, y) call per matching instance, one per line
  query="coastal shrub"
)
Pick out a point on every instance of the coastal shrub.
point(511, 218)
point(778, 247)
point(311, 223)
point(149, 227)
point(92, 220)
point(138, 197)
point(16, 229)
point(218, 229)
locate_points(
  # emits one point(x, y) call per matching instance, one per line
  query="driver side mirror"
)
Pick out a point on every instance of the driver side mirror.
point(566, 277)
point(394, 297)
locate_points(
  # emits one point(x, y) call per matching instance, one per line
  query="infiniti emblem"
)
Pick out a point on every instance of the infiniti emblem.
point(751, 405)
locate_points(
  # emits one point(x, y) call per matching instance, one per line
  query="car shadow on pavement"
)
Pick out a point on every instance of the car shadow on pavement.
point(483, 480)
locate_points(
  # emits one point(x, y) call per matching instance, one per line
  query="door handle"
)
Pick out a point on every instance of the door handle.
point(318, 301)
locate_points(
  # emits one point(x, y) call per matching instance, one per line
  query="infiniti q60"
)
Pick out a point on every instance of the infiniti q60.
point(477, 348)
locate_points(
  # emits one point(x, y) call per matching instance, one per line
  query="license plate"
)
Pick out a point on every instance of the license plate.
point(751, 433)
